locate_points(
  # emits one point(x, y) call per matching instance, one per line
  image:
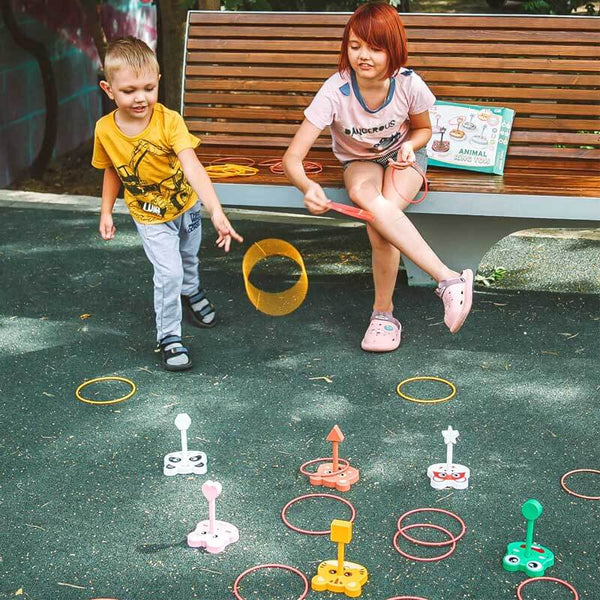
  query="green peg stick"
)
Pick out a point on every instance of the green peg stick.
point(531, 510)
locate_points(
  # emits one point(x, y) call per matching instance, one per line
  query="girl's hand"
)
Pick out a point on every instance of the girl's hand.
point(225, 230)
point(107, 228)
point(315, 200)
point(406, 156)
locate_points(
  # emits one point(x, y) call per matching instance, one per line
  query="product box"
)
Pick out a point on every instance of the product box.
point(467, 136)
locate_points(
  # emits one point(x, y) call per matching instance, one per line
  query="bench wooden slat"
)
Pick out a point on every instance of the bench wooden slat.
point(256, 100)
point(449, 48)
point(274, 114)
point(431, 76)
point(410, 20)
point(335, 33)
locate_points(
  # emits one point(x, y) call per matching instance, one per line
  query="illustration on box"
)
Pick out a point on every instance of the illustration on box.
point(469, 137)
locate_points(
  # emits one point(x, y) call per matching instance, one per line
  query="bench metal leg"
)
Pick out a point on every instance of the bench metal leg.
point(462, 241)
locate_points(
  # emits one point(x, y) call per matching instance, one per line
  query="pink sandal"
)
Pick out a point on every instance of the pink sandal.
point(383, 333)
point(457, 296)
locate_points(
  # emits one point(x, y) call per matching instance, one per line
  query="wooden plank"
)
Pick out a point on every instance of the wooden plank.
point(297, 115)
point(447, 48)
point(409, 20)
point(430, 76)
point(335, 33)
point(583, 139)
point(520, 93)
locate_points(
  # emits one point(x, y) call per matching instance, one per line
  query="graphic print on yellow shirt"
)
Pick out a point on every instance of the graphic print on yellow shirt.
point(156, 190)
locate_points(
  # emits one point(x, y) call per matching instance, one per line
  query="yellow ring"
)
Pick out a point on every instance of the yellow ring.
point(433, 400)
point(275, 304)
point(104, 402)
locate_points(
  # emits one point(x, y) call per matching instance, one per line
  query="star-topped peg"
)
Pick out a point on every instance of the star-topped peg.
point(450, 435)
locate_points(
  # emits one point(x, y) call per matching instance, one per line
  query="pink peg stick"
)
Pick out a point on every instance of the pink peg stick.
point(212, 534)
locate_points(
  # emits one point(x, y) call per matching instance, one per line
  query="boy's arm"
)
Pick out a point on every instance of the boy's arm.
point(111, 185)
point(200, 181)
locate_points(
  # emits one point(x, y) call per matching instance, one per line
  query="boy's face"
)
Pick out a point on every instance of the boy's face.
point(134, 93)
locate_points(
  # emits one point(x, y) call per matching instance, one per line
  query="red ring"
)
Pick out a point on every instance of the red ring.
point(308, 531)
point(271, 566)
point(250, 162)
point(418, 558)
point(438, 510)
point(420, 171)
point(269, 162)
point(565, 583)
point(275, 166)
point(569, 491)
point(316, 460)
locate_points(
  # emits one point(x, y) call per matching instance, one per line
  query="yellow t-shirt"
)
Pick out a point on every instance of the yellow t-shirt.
point(156, 190)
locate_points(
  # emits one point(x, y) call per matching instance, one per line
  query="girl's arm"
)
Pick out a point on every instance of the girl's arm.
point(418, 136)
point(200, 181)
point(111, 185)
point(314, 196)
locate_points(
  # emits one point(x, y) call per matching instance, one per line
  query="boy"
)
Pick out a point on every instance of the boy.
point(147, 147)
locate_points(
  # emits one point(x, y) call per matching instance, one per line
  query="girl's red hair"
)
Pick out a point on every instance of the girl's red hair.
point(379, 25)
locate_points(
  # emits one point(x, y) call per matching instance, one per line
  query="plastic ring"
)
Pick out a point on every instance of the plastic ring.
point(275, 304)
point(307, 496)
point(418, 558)
point(105, 402)
point(420, 171)
point(570, 491)
point(317, 460)
point(565, 583)
point(425, 401)
point(248, 162)
point(407, 598)
point(236, 584)
point(459, 537)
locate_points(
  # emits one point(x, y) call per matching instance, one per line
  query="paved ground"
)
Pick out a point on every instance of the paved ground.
point(85, 509)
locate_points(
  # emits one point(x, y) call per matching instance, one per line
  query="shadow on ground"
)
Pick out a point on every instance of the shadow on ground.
point(86, 511)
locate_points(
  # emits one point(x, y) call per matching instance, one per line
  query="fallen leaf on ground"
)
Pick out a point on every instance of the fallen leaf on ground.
point(85, 316)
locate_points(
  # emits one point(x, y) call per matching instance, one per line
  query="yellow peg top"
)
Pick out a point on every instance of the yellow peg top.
point(341, 531)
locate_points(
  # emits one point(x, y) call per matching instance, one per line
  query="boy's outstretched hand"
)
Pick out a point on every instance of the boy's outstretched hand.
point(107, 228)
point(225, 230)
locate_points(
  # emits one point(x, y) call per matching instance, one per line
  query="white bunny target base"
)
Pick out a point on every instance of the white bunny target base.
point(184, 461)
point(449, 475)
point(211, 534)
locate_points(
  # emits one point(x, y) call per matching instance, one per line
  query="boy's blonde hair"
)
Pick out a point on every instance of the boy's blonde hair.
point(129, 52)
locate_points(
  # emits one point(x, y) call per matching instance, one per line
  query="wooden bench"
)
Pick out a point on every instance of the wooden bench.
point(249, 75)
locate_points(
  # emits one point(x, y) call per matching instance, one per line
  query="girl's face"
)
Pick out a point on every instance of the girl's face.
point(366, 61)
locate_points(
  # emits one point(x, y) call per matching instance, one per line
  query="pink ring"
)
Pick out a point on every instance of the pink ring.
point(236, 583)
point(317, 460)
point(569, 491)
point(401, 529)
point(418, 558)
point(407, 598)
point(306, 496)
point(420, 171)
point(565, 583)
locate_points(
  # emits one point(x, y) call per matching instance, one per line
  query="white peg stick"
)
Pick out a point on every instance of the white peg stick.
point(183, 422)
point(450, 437)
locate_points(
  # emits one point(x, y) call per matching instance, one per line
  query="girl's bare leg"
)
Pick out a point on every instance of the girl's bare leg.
point(365, 182)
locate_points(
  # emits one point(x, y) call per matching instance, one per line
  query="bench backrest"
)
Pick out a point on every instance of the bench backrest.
point(249, 75)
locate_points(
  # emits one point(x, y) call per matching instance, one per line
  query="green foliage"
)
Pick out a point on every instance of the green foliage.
point(556, 7)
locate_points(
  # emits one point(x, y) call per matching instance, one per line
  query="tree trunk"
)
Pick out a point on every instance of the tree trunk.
point(171, 19)
point(50, 93)
point(91, 16)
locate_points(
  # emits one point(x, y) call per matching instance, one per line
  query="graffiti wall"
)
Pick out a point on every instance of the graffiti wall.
point(60, 26)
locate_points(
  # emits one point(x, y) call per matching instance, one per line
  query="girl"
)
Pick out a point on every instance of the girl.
point(377, 111)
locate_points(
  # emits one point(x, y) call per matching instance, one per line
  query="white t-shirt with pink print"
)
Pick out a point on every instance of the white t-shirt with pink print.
point(358, 132)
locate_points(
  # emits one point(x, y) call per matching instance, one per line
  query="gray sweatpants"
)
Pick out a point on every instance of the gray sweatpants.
point(172, 248)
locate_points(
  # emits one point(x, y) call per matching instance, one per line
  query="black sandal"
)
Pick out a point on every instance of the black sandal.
point(198, 317)
point(173, 352)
